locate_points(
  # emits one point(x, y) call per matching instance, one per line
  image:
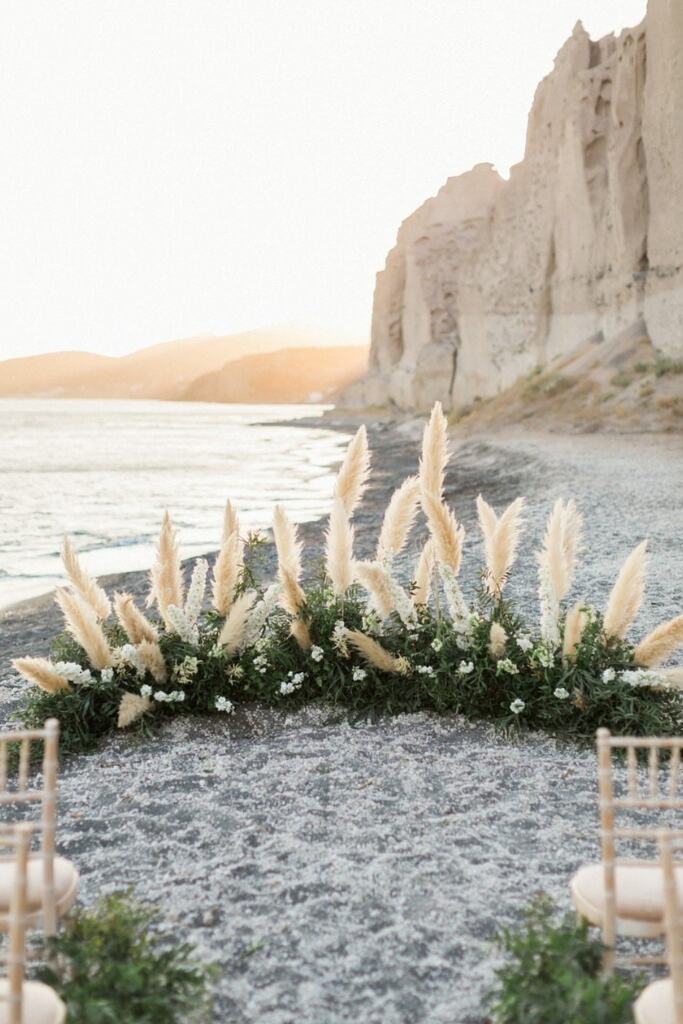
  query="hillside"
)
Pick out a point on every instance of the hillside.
point(169, 370)
point(290, 375)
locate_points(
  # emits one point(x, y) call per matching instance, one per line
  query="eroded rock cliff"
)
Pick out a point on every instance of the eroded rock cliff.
point(492, 277)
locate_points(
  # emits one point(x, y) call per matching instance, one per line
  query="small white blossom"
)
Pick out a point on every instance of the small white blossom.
point(424, 670)
point(339, 641)
point(437, 644)
point(358, 674)
point(561, 693)
point(317, 653)
point(261, 664)
point(644, 677)
point(174, 697)
point(185, 670)
point(259, 616)
point(506, 665)
point(180, 624)
point(73, 673)
point(465, 667)
point(544, 655)
point(293, 682)
point(525, 643)
point(609, 675)
point(128, 655)
point(195, 592)
point(145, 691)
point(517, 706)
point(107, 674)
point(223, 704)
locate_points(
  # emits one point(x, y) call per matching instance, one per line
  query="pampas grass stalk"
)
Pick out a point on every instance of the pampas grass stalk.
point(235, 625)
point(151, 657)
point(660, 643)
point(339, 549)
point(435, 454)
point(83, 584)
point(374, 579)
point(353, 475)
point(289, 550)
point(40, 672)
point(137, 626)
point(572, 527)
point(301, 633)
point(83, 625)
point(398, 519)
point(574, 625)
point(231, 522)
point(131, 708)
point(423, 576)
point(166, 575)
point(497, 641)
point(501, 540)
point(446, 533)
point(375, 654)
point(627, 593)
point(226, 573)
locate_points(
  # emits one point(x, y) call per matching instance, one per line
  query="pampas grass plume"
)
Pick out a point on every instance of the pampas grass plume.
point(233, 630)
point(435, 453)
point(446, 533)
point(627, 593)
point(374, 579)
point(497, 640)
point(574, 625)
point(375, 654)
point(501, 540)
point(151, 657)
point(166, 575)
point(84, 584)
point(132, 707)
point(660, 643)
point(398, 519)
point(136, 626)
point(231, 522)
point(301, 633)
point(423, 575)
point(289, 548)
point(82, 622)
point(40, 672)
point(339, 549)
point(226, 571)
point(353, 475)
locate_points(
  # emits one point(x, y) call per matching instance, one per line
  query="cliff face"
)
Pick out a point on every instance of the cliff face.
point(491, 278)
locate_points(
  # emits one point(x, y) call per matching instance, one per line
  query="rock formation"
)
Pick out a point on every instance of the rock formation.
point(491, 278)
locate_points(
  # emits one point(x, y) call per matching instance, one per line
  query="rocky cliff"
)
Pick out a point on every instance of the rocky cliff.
point(492, 277)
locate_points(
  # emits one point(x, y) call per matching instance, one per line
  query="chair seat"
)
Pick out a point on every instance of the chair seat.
point(639, 895)
point(655, 1005)
point(39, 1004)
point(66, 887)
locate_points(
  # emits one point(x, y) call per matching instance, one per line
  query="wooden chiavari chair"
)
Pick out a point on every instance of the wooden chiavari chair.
point(52, 881)
point(625, 897)
point(21, 1001)
point(662, 1001)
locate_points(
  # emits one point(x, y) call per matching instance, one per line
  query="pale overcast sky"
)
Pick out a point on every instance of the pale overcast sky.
point(175, 167)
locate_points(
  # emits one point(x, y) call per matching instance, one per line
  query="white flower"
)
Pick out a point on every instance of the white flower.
point(174, 697)
point(73, 673)
point(358, 674)
point(261, 663)
point(128, 655)
point(339, 641)
point(517, 706)
point(424, 670)
point(293, 682)
point(644, 677)
point(195, 592)
point(561, 693)
point(317, 653)
point(437, 644)
point(223, 704)
point(525, 643)
point(544, 655)
point(609, 675)
point(107, 674)
point(287, 687)
point(505, 665)
point(145, 691)
point(259, 616)
point(180, 624)
point(185, 670)
point(465, 667)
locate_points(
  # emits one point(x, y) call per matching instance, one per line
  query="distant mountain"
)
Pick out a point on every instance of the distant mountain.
point(290, 375)
point(170, 370)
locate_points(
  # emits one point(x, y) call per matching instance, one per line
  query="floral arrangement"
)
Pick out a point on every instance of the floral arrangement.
point(359, 638)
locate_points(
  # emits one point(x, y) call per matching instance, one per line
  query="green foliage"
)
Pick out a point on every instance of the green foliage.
point(665, 366)
point(449, 670)
point(112, 967)
point(552, 975)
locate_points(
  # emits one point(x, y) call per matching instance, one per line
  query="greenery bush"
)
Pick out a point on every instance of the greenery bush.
point(112, 968)
point(552, 975)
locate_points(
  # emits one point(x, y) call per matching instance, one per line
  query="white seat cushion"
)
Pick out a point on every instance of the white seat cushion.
point(656, 1004)
point(639, 895)
point(39, 1004)
point(66, 885)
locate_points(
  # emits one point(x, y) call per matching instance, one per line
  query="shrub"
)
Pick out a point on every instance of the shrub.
point(552, 975)
point(665, 366)
point(113, 967)
point(359, 638)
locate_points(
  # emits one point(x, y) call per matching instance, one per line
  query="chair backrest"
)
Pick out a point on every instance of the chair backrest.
point(658, 788)
point(668, 842)
point(15, 789)
point(18, 841)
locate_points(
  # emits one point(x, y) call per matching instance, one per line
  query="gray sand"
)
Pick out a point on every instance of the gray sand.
point(339, 873)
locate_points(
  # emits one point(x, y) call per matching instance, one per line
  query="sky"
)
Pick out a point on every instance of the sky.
point(180, 167)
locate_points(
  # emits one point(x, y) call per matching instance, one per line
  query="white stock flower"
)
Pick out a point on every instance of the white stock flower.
point(609, 675)
point(195, 592)
point(561, 693)
point(424, 670)
point(73, 673)
point(525, 643)
point(517, 706)
point(437, 644)
point(317, 653)
point(223, 704)
point(259, 616)
point(180, 624)
point(358, 674)
point(145, 691)
point(465, 667)
point(505, 665)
